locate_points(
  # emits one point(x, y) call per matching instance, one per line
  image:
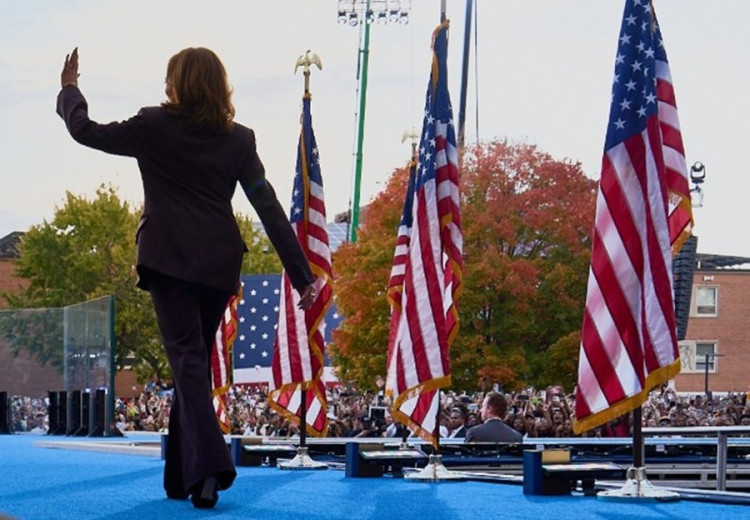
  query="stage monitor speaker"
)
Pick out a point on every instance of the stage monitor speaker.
point(85, 414)
point(6, 421)
point(535, 482)
point(53, 410)
point(62, 413)
point(97, 421)
point(74, 412)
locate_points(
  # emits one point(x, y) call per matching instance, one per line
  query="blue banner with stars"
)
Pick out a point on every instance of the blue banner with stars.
point(257, 317)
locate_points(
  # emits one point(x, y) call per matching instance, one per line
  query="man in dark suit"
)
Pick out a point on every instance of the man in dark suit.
point(493, 429)
point(191, 155)
point(457, 424)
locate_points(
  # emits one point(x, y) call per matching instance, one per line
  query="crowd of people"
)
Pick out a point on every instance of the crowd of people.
point(28, 414)
point(531, 412)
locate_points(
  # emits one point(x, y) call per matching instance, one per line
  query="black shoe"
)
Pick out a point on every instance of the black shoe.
point(177, 495)
point(206, 494)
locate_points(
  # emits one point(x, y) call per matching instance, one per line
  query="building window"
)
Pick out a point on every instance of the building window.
point(693, 356)
point(705, 301)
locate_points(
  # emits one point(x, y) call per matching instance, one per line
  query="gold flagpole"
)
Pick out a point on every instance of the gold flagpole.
point(304, 61)
point(302, 459)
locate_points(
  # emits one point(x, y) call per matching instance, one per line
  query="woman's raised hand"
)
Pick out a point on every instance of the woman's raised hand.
point(69, 75)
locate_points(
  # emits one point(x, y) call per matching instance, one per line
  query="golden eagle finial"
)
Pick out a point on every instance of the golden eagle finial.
point(307, 59)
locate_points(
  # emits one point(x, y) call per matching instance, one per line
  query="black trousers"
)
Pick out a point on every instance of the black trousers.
point(189, 315)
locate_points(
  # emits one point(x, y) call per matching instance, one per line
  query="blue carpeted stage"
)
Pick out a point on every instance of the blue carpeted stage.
point(40, 483)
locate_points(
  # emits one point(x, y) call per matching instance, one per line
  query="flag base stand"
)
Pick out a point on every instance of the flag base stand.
point(435, 471)
point(637, 487)
point(302, 461)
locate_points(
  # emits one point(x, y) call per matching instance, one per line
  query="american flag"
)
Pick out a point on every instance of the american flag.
point(298, 356)
point(426, 274)
point(221, 366)
point(643, 213)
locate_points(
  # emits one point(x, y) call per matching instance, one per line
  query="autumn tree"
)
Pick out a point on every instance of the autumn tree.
point(526, 221)
point(361, 272)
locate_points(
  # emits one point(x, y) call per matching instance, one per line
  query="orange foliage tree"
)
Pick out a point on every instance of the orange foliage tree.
point(527, 221)
point(362, 271)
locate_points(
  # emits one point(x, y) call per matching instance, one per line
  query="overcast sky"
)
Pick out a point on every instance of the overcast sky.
point(544, 77)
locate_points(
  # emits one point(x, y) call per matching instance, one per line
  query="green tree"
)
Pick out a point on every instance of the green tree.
point(526, 221)
point(86, 252)
point(260, 257)
point(561, 362)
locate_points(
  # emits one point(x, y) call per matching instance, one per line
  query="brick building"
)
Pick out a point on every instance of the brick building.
point(718, 335)
point(19, 374)
point(8, 252)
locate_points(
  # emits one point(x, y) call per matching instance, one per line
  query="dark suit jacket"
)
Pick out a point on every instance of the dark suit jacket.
point(460, 433)
point(188, 229)
point(493, 430)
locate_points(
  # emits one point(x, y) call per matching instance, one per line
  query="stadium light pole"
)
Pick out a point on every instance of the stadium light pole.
point(364, 13)
point(698, 177)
